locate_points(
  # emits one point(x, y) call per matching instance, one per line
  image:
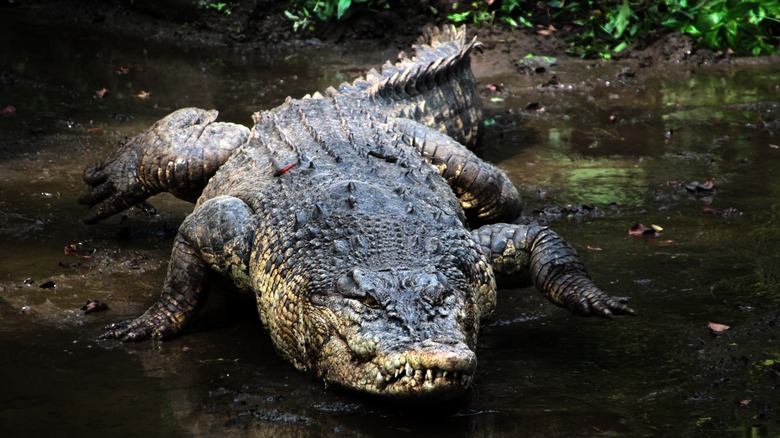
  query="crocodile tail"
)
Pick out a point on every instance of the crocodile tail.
point(435, 87)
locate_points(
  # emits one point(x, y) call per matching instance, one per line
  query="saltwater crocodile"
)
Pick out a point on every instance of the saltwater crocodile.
point(368, 232)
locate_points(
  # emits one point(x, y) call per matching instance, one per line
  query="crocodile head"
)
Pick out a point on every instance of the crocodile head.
point(398, 332)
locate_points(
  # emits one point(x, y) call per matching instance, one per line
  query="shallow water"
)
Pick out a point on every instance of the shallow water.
point(625, 145)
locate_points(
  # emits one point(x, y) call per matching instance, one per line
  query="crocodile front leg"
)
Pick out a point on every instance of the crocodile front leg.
point(485, 192)
point(536, 255)
point(178, 154)
point(216, 236)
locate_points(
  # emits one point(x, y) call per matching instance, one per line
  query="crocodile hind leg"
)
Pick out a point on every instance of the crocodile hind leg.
point(178, 154)
point(214, 237)
point(485, 192)
point(531, 254)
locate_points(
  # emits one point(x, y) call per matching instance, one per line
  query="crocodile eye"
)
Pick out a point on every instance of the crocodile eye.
point(359, 287)
point(368, 301)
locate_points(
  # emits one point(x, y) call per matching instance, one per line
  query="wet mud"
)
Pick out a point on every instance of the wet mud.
point(595, 147)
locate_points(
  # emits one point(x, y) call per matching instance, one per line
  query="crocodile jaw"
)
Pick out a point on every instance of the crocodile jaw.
point(424, 370)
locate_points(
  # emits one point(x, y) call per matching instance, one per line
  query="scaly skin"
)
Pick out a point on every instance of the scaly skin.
point(368, 233)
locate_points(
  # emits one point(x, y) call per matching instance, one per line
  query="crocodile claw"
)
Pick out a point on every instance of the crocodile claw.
point(134, 330)
point(596, 302)
point(114, 186)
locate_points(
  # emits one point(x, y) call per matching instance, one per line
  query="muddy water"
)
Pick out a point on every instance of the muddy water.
point(624, 144)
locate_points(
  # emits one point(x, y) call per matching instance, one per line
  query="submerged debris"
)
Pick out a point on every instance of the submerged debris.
point(707, 187)
point(555, 212)
point(101, 93)
point(726, 213)
point(74, 249)
point(641, 230)
point(93, 306)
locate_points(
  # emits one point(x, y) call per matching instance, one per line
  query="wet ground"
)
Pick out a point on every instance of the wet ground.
point(595, 147)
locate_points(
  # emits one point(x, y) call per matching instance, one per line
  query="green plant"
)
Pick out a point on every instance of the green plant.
point(220, 7)
point(608, 27)
point(303, 12)
point(605, 27)
point(481, 12)
point(742, 26)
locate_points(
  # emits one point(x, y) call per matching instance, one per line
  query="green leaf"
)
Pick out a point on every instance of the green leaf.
point(622, 20)
point(707, 22)
point(510, 21)
point(342, 8)
point(620, 47)
point(459, 17)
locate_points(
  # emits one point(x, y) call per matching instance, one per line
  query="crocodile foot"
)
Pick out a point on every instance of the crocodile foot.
point(144, 327)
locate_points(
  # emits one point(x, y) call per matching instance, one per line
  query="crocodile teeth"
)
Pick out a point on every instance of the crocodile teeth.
point(379, 378)
point(409, 370)
point(429, 375)
point(418, 374)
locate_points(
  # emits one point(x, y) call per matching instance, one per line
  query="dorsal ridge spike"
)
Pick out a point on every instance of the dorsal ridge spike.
point(436, 51)
point(319, 210)
point(443, 54)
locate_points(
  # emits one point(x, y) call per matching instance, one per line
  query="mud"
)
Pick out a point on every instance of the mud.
point(595, 147)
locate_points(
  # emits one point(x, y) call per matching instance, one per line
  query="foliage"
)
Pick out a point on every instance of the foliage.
point(303, 12)
point(608, 27)
point(749, 26)
point(605, 27)
point(484, 12)
point(220, 7)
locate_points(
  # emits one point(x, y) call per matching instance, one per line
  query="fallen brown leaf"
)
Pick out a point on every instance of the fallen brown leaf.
point(716, 328)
